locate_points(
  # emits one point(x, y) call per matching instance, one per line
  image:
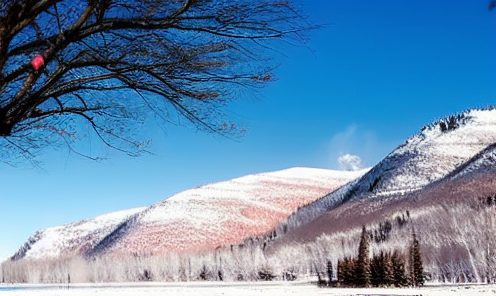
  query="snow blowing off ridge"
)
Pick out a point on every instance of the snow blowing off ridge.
point(350, 162)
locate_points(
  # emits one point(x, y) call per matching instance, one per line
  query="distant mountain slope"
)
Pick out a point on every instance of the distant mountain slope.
point(434, 153)
point(430, 155)
point(196, 219)
point(483, 161)
point(454, 218)
point(73, 238)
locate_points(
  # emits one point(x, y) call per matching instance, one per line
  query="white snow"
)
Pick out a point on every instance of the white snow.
point(197, 202)
point(431, 155)
point(55, 240)
point(219, 213)
point(422, 159)
point(238, 289)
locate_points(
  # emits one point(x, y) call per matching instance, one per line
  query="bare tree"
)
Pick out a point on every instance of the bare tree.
point(112, 65)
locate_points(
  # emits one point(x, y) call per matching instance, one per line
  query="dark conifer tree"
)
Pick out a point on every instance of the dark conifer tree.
point(381, 270)
point(416, 266)
point(377, 273)
point(347, 272)
point(320, 282)
point(329, 271)
point(362, 269)
point(388, 270)
point(340, 273)
point(346, 269)
point(400, 277)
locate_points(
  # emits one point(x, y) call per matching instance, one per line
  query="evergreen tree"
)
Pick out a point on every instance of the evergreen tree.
point(381, 270)
point(388, 270)
point(400, 279)
point(377, 270)
point(362, 269)
point(416, 266)
point(340, 273)
point(329, 271)
point(345, 271)
point(320, 282)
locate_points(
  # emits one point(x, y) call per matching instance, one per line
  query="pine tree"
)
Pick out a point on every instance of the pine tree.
point(329, 271)
point(345, 272)
point(416, 266)
point(362, 269)
point(339, 273)
point(320, 282)
point(388, 270)
point(377, 270)
point(400, 277)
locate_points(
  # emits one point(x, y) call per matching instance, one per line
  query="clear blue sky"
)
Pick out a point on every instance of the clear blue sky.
point(374, 76)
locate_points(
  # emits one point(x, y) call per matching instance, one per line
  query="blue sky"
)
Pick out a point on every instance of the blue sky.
point(377, 73)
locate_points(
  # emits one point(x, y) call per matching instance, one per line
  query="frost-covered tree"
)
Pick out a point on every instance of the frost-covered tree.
point(102, 68)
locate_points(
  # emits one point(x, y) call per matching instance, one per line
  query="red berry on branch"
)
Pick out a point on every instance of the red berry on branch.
point(37, 62)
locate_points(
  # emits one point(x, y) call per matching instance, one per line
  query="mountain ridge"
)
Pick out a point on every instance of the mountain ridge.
point(440, 183)
point(423, 158)
point(254, 203)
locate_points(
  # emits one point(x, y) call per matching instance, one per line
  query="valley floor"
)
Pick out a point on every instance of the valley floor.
point(237, 289)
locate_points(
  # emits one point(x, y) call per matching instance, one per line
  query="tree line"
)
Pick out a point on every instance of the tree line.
point(385, 269)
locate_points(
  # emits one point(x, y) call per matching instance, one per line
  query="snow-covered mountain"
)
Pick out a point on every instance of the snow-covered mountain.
point(440, 183)
point(435, 152)
point(430, 155)
point(73, 238)
point(454, 218)
point(201, 218)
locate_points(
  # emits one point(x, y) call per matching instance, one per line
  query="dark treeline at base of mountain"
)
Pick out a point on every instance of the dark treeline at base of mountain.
point(385, 269)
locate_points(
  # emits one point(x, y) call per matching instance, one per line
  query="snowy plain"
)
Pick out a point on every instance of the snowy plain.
point(238, 289)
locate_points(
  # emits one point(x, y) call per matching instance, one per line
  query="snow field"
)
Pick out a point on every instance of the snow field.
point(245, 289)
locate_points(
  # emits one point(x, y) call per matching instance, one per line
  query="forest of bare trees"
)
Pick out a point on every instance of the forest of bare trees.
point(461, 252)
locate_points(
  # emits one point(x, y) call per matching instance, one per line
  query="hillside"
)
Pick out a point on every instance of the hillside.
point(455, 218)
point(435, 152)
point(193, 220)
point(430, 155)
point(473, 180)
point(440, 184)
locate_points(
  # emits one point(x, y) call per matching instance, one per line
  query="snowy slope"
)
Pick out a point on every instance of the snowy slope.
point(422, 159)
point(73, 238)
point(483, 161)
point(429, 155)
point(226, 212)
point(196, 219)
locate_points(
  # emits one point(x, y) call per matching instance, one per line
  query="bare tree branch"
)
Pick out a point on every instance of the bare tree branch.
point(111, 63)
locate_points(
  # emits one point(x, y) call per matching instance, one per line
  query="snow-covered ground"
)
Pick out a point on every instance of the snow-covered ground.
point(238, 289)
